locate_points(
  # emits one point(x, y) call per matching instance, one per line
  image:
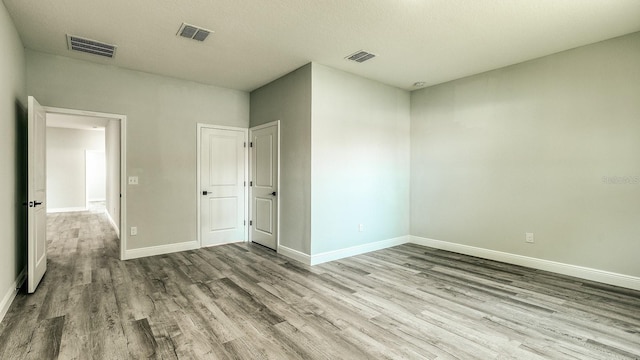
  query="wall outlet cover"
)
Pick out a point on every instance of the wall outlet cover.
point(528, 237)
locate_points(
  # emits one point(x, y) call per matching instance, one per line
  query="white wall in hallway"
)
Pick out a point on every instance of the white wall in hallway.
point(96, 175)
point(66, 176)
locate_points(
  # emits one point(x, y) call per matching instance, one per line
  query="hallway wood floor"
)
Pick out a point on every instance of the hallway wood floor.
point(242, 301)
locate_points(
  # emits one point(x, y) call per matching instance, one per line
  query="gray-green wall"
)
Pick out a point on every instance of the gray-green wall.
point(360, 161)
point(12, 169)
point(344, 158)
point(162, 114)
point(545, 147)
point(288, 99)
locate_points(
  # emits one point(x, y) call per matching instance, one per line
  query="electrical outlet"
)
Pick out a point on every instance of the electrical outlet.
point(360, 227)
point(133, 180)
point(528, 237)
point(134, 231)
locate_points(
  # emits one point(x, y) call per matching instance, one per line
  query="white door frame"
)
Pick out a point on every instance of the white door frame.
point(277, 124)
point(199, 128)
point(123, 162)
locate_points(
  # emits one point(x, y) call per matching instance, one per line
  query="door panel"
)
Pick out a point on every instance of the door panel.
point(224, 213)
point(264, 189)
point(37, 193)
point(263, 145)
point(264, 216)
point(222, 169)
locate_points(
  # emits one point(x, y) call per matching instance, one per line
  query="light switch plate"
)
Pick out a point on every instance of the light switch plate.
point(133, 180)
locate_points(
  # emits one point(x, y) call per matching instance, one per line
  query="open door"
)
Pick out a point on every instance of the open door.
point(37, 192)
point(263, 227)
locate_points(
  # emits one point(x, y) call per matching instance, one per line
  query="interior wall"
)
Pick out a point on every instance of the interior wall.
point(112, 157)
point(13, 99)
point(288, 99)
point(550, 146)
point(360, 161)
point(162, 114)
point(96, 175)
point(66, 166)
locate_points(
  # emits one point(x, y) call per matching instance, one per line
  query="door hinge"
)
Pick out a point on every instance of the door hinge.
point(250, 222)
point(251, 144)
point(245, 223)
point(250, 183)
point(245, 183)
point(245, 144)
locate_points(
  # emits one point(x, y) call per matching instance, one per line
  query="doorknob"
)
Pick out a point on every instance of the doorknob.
point(273, 193)
point(33, 203)
point(205, 192)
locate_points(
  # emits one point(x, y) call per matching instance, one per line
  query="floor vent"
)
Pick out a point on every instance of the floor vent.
point(360, 56)
point(193, 32)
point(89, 46)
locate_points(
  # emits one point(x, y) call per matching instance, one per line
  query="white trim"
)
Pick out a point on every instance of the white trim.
point(357, 250)
point(161, 249)
point(606, 277)
point(123, 162)
point(11, 293)
point(245, 131)
point(94, 200)
point(123, 187)
point(294, 254)
point(67, 209)
point(113, 224)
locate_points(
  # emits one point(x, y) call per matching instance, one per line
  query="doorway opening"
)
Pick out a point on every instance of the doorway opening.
point(86, 155)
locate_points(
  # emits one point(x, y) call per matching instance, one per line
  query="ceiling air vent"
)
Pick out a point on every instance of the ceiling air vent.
point(193, 32)
point(77, 43)
point(360, 56)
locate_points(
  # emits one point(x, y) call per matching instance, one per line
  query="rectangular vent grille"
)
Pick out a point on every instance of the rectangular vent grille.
point(193, 32)
point(94, 47)
point(360, 56)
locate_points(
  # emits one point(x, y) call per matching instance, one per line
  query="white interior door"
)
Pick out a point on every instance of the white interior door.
point(37, 192)
point(222, 186)
point(263, 227)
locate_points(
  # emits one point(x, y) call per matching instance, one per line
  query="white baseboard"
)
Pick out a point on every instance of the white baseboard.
point(10, 294)
point(96, 200)
point(67, 209)
point(113, 224)
point(626, 281)
point(160, 250)
point(294, 254)
point(339, 254)
point(357, 250)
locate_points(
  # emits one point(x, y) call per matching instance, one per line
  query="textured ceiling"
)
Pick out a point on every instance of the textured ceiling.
point(257, 41)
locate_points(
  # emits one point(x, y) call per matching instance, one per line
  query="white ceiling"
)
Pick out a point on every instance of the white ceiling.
point(79, 122)
point(257, 41)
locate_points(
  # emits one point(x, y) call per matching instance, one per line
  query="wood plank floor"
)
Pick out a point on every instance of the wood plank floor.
point(245, 302)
